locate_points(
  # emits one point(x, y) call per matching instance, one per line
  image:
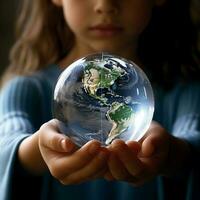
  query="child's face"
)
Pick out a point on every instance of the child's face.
point(107, 25)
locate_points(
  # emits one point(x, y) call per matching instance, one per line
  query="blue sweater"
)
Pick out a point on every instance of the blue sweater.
point(25, 104)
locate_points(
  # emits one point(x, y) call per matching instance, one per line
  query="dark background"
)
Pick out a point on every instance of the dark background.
point(7, 17)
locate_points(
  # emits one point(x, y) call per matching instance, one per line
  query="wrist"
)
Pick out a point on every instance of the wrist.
point(29, 155)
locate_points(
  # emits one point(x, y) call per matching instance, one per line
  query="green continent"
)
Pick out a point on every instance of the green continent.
point(120, 115)
point(96, 77)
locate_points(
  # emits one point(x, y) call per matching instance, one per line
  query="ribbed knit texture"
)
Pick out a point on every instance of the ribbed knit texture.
point(25, 104)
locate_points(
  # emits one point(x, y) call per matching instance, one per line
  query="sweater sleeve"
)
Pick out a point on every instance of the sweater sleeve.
point(187, 119)
point(19, 108)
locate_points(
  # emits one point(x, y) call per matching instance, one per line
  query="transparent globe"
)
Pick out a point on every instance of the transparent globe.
point(103, 97)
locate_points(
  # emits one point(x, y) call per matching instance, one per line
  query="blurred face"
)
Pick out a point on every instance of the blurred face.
point(107, 25)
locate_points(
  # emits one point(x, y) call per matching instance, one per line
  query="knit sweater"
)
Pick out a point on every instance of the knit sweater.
point(26, 103)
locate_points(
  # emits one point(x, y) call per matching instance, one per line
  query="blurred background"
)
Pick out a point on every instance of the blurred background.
point(8, 12)
point(7, 17)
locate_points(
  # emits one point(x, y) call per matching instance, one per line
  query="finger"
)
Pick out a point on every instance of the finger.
point(52, 139)
point(147, 147)
point(128, 158)
point(68, 145)
point(116, 168)
point(154, 125)
point(89, 170)
point(99, 174)
point(66, 165)
point(155, 142)
point(134, 146)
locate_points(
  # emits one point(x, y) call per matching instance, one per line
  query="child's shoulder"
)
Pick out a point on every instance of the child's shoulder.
point(185, 89)
point(187, 97)
point(33, 81)
point(18, 82)
point(21, 83)
point(19, 92)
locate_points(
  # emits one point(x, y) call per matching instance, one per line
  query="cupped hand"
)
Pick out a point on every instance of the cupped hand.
point(138, 162)
point(68, 163)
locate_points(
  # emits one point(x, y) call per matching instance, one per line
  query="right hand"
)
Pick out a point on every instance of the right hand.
point(68, 163)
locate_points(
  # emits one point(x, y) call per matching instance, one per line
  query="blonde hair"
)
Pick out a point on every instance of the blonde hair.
point(42, 37)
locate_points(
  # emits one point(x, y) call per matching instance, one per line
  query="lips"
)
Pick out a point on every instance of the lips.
point(106, 29)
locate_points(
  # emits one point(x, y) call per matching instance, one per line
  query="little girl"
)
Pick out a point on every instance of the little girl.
point(37, 162)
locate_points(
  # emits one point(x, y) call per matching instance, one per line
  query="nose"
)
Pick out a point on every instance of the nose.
point(106, 7)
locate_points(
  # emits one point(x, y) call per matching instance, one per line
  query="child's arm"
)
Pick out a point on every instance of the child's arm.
point(37, 149)
point(160, 154)
point(49, 149)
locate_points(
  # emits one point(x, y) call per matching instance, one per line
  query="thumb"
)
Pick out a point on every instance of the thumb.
point(61, 143)
point(52, 139)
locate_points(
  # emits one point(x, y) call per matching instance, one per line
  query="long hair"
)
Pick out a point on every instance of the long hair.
point(167, 45)
point(42, 37)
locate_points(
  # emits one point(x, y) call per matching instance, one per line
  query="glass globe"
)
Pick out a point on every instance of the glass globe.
point(103, 97)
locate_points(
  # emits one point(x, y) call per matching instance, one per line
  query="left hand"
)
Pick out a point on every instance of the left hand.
point(138, 162)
